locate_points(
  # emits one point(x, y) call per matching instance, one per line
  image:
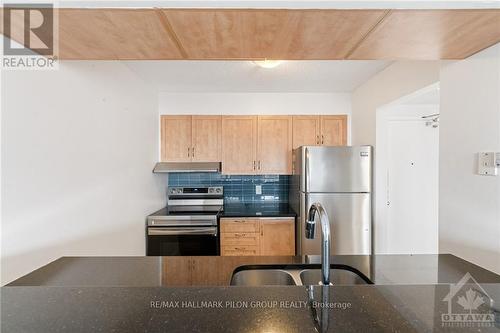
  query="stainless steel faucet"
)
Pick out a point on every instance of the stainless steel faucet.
point(325, 240)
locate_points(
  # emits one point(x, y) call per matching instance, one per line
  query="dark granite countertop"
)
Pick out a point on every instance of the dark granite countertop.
point(137, 294)
point(342, 309)
point(257, 209)
point(217, 270)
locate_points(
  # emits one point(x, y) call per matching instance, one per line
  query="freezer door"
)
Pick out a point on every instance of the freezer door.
point(350, 223)
point(335, 169)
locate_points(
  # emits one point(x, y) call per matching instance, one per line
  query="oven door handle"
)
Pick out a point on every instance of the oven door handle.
point(182, 231)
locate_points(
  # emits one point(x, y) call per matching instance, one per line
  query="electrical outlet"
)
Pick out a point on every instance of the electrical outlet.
point(258, 189)
point(488, 164)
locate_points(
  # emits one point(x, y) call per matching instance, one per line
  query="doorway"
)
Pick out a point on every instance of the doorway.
point(407, 174)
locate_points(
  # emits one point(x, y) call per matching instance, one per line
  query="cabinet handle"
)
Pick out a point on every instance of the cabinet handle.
point(322, 139)
point(192, 151)
point(259, 165)
point(254, 165)
point(188, 151)
point(240, 235)
point(317, 139)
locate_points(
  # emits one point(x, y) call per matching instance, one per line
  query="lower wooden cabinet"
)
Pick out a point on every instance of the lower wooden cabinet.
point(257, 236)
point(192, 271)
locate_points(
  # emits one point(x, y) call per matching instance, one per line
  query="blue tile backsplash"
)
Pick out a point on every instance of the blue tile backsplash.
point(237, 188)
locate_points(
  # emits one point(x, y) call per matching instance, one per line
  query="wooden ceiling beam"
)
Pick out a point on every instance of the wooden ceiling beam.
point(243, 34)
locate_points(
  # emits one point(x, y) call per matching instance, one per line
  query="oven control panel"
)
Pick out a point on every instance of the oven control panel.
point(203, 191)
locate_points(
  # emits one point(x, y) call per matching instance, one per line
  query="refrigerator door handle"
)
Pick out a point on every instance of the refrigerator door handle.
point(307, 171)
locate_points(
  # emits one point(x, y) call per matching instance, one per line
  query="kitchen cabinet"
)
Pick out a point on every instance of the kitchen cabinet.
point(277, 237)
point(256, 144)
point(319, 130)
point(176, 138)
point(239, 144)
point(257, 236)
point(274, 145)
point(175, 272)
point(190, 138)
point(334, 130)
point(247, 145)
point(192, 271)
point(306, 131)
point(206, 140)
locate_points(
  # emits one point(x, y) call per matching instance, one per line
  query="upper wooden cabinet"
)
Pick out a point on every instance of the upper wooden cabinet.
point(190, 138)
point(334, 130)
point(206, 138)
point(306, 131)
point(239, 144)
point(319, 130)
point(176, 134)
point(256, 144)
point(247, 145)
point(274, 149)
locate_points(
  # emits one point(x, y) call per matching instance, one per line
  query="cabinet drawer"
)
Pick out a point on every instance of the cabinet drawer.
point(239, 238)
point(239, 225)
point(240, 250)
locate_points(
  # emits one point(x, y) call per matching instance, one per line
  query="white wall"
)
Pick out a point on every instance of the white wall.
point(78, 147)
point(397, 80)
point(470, 122)
point(254, 103)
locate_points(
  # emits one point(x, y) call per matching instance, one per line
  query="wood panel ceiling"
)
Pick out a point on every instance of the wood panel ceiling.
point(209, 34)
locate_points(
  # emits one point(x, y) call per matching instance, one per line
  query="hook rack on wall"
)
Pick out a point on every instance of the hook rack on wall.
point(432, 120)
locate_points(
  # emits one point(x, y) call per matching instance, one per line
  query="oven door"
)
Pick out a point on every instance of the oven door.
point(182, 241)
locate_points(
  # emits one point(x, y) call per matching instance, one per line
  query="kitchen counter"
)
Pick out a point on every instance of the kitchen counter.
point(136, 294)
point(354, 309)
point(257, 210)
point(217, 270)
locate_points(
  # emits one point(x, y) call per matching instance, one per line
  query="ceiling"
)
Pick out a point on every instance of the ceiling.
point(299, 34)
point(246, 76)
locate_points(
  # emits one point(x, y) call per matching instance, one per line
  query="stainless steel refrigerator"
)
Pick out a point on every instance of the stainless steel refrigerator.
point(340, 178)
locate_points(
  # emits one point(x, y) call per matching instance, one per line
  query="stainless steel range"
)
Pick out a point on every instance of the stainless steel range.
point(188, 225)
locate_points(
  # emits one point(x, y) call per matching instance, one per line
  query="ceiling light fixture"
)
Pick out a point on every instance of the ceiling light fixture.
point(266, 63)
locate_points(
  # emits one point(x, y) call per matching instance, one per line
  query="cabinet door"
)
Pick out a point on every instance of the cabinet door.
point(206, 271)
point(206, 138)
point(175, 138)
point(274, 152)
point(306, 131)
point(277, 237)
point(176, 271)
point(334, 130)
point(239, 144)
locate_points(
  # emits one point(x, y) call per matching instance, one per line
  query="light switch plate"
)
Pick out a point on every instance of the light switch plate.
point(488, 163)
point(258, 189)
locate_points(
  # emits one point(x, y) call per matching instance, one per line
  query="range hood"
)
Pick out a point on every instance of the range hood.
point(165, 167)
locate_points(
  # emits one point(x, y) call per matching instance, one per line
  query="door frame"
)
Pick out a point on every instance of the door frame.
point(399, 110)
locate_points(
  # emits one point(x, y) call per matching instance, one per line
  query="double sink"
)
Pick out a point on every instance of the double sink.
point(295, 275)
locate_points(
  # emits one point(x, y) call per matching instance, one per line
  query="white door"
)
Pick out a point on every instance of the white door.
point(412, 187)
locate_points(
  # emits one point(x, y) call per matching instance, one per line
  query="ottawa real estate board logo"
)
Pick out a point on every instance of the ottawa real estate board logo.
point(29, 36)
point(469, 305)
